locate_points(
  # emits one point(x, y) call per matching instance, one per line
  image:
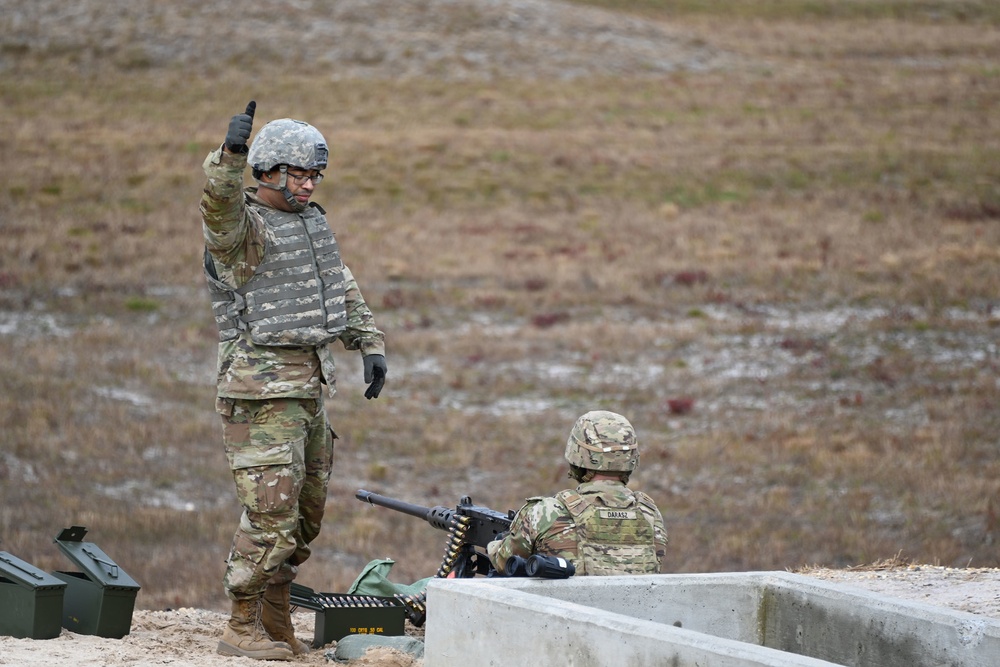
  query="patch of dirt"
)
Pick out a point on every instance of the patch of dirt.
point(180, 638)
point(974, 590)
point(381, 39)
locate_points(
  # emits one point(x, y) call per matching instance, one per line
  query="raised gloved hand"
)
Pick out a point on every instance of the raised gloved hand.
point(239, 129)
point(375, 371)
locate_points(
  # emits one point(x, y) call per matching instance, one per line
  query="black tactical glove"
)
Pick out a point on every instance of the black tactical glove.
point(375, 371)
point(239, 129)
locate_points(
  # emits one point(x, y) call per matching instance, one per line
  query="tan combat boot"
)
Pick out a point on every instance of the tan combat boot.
point(245, 635)
point(276, 615)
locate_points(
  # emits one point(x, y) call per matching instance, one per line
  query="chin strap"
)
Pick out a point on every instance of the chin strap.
point(282, 187)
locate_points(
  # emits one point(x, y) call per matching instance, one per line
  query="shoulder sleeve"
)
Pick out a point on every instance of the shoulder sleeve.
point(652, 513)
point(228, 228)
point(361, 333)
point(520, 538)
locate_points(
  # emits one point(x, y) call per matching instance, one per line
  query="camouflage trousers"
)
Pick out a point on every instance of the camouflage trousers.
point(281, 453)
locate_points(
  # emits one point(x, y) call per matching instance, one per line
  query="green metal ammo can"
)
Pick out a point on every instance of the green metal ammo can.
point(100, 599)
point(341, 614)
point(31, 601)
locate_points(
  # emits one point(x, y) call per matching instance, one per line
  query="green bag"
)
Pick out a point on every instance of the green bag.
point(374, 580)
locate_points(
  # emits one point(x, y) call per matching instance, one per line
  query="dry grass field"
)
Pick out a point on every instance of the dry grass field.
point(779, 259)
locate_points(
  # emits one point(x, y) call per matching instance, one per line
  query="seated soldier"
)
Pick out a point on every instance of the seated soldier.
point(602, 526)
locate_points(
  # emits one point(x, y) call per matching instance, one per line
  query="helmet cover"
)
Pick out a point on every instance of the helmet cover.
point(602, 440)
point(290, 142)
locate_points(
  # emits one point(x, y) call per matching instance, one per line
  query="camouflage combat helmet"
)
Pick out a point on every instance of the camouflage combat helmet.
point(289, 142)
point(602, 440)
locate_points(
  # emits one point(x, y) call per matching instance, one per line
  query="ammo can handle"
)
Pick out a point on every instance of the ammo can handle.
point(113, 569)
point(27, 572)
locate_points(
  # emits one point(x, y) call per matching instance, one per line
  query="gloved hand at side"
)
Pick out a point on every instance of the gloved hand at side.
point(375, 371)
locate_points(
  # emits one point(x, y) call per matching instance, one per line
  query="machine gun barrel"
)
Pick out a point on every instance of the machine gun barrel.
point(440, 517)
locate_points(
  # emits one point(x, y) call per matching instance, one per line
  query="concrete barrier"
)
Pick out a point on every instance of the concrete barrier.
point(776, 619)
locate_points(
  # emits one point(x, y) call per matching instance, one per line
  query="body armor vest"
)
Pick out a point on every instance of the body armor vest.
point(296, 295)
point(611, 540)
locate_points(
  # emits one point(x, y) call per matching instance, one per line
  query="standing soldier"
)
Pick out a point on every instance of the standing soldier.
point(601, 526)
point(280, 295)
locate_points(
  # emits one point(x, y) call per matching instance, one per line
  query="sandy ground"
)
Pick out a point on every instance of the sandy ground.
point(178, 638)
point(974, 590)
point(188, 637)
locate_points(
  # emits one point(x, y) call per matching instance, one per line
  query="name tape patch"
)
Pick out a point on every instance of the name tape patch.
point(616, 514)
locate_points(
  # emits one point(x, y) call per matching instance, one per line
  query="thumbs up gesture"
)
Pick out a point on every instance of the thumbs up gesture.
point(239, 129)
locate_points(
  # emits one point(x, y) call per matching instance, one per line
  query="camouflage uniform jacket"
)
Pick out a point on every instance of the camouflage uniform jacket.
point(236, 238)
point(546, 526)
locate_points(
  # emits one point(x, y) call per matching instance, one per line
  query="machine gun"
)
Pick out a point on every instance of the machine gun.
point(470, 528)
